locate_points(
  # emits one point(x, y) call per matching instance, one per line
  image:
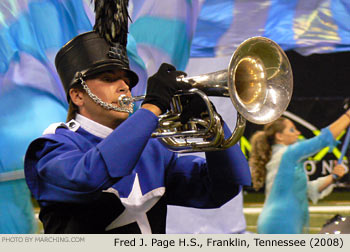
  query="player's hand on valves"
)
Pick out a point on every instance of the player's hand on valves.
point(162, 86)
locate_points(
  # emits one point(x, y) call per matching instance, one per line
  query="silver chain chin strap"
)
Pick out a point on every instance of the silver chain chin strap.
point(105, 105)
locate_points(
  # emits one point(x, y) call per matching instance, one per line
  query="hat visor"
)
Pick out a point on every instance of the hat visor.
point(108, 66)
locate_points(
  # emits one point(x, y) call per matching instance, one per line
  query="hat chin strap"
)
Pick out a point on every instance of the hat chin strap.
point(126, 109)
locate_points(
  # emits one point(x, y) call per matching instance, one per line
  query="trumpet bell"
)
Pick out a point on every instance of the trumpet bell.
point(260, 80)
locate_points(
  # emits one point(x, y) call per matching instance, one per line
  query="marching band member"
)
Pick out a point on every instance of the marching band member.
point(101, 172)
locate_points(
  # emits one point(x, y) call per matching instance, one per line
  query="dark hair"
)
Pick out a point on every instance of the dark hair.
point(72, 108)
point(261, 148)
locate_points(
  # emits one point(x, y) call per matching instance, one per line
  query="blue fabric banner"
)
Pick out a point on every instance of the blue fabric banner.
point(313, 26)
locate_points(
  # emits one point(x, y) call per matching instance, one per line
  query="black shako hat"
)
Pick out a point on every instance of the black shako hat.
point(89, 54)
point(100, 50)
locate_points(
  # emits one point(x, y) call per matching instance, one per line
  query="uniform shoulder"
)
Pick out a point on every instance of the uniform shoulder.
point(71, 125)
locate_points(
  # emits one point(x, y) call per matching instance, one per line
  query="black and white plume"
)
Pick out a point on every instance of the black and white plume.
point(111, 20)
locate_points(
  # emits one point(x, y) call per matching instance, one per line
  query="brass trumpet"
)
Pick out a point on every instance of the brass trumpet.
point(259, 82)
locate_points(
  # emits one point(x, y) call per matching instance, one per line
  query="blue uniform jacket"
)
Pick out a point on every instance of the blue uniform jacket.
point(76, 168)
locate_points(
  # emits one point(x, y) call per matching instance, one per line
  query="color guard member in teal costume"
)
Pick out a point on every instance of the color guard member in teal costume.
point(276, 159)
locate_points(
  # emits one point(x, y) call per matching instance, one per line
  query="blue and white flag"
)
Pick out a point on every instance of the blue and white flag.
point(312, 26)
point(31, 96)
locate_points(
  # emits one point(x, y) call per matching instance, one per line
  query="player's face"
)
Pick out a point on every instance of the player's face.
point(108, 86)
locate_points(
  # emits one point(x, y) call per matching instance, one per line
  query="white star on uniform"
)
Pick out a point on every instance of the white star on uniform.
point(136, 206)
